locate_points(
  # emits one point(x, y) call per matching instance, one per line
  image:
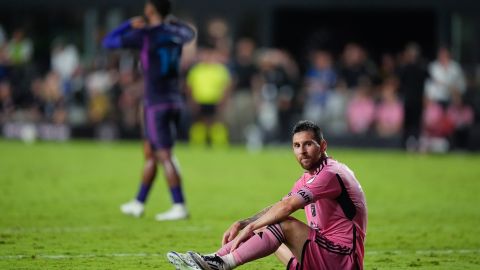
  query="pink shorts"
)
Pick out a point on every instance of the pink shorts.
point(320, 253)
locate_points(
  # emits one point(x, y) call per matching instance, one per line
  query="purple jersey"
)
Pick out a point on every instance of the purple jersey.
point(160, 51)
point(335, 206)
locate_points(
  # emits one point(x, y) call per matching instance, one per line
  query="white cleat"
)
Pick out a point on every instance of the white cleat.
point(182, 261)
point(132, 208)
point(177, 212)
point(208, 262)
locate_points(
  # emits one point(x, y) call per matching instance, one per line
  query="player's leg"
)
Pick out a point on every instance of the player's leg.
point(136, 206)
point(168, 122)
point(284, 254)
point(292, 232)
point(172, 175)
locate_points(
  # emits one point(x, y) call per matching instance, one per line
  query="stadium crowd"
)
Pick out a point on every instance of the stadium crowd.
point(239, 92)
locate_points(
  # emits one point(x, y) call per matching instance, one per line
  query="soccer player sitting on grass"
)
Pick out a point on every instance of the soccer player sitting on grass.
point(335, 209)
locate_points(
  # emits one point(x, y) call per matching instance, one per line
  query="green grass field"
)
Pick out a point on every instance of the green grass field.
point(59, 205)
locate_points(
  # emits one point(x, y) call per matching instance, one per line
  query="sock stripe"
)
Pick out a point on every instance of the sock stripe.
point(279, 230)
point(277, 233)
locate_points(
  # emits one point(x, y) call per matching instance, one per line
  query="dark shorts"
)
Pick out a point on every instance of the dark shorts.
point(161, 123)
point(208, 110)
point(320, 253)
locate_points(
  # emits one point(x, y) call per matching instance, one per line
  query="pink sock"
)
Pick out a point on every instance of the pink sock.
point(260, 245)
point(225, 249)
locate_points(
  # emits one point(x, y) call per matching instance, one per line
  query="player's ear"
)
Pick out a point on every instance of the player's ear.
point(323, 146)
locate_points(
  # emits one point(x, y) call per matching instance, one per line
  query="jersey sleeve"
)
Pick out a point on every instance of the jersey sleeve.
point(323, 186)
point(124, 36)
point(294, 189)
point(176, 32)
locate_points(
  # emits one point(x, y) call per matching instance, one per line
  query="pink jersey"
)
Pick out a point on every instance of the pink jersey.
point(336, 206)
point(390, 114)
point(360, 114)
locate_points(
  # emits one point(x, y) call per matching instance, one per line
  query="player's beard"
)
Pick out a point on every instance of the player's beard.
point(309, 163)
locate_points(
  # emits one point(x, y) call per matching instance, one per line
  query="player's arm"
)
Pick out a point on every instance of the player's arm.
point(237, 226)
point(245, 222)
point(177, 32)
point(277, 213)
point(119, 37)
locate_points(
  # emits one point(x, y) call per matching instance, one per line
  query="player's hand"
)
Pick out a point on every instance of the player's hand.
point(231, 233)
point(244, 235)
point(138, 22)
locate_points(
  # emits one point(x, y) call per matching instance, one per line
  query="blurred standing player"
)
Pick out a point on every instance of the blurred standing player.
point(335, 208)
point(160, 38)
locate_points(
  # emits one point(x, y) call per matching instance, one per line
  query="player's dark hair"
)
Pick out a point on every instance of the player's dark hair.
point(163, 7)
point(306, 125)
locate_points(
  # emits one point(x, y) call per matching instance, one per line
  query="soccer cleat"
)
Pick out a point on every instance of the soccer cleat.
point(182, 261)
point(132, 208)
point(208, 262)
point(178, 211)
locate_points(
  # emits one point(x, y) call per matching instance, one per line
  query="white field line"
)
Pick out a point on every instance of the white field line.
point(20, 230)
point(134, 255)
point(79, 256)
point(88, 229)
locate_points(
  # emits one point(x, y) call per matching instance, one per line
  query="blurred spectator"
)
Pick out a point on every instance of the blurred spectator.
point(412, 75)
point(78, 98)
point(275, 91)
point(287, 94)
point(7, 107)
point(472, 97)
point(335, 113)
point(387, 67)
point(64, 61)
point(472, 94)
point(462, 117)
point(209, 81)
point(127, 103)
point(389, 111)
point(437, 127)
point(218, 37)
point(36, 106)
point(98, 84)
point(355, 65)
point(361, 109)
point(241, 109)
point(3, 54)
point(19, 48)
point(3, 63)
point(3, 36)
point(320, 80)
point(446, 80)
point(446, 77)
point(53, 99)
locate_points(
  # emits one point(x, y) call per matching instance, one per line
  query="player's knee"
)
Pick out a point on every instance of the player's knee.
point(151, 159)
point(163, 156)
point(289, 224)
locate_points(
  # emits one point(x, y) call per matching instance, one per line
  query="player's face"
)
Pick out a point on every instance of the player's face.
point(149, 10)
point(306, 149)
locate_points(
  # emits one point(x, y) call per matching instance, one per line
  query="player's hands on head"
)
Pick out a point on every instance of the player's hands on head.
point(138, 22)
point(231, 233)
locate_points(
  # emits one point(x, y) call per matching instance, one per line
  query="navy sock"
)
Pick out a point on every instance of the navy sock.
point(143, 192)
point(177, 194)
